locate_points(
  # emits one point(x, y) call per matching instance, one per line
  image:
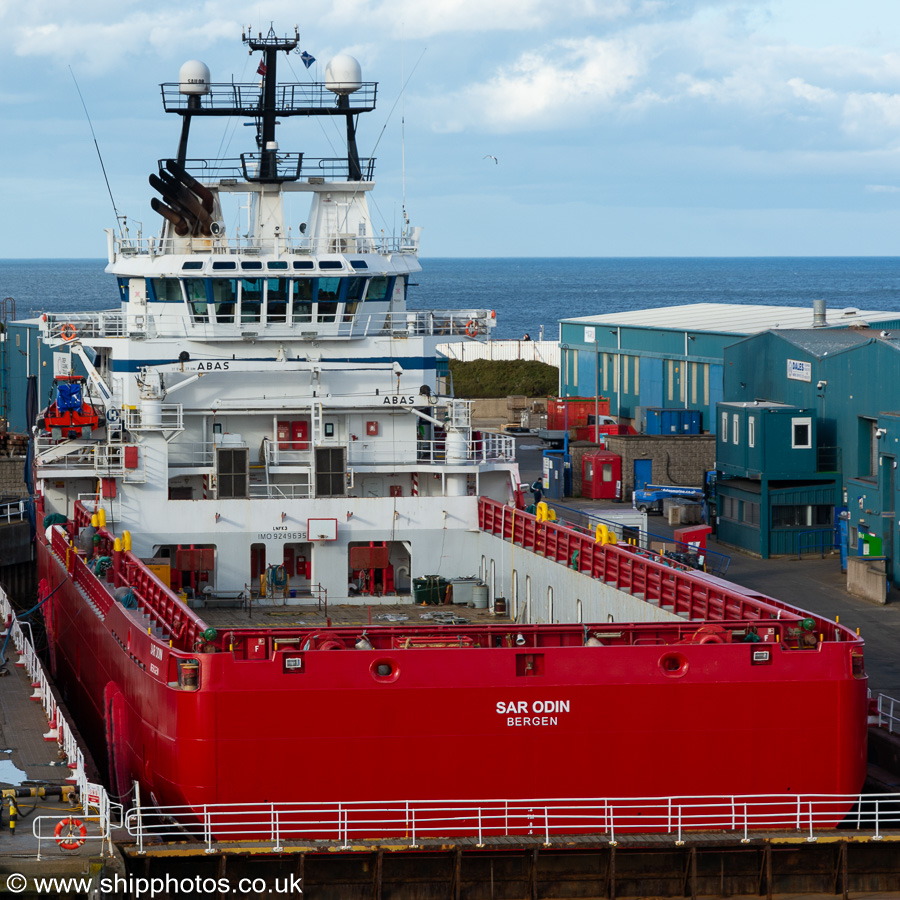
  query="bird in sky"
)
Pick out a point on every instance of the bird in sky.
point(494, 158)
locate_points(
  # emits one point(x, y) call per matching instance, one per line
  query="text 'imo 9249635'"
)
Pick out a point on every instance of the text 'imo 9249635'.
point(262, 428)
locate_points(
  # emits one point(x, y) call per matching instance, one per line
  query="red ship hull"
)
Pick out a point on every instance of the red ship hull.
point(552, 719)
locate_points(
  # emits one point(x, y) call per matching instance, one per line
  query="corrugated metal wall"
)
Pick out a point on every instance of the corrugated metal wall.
point(532, 351)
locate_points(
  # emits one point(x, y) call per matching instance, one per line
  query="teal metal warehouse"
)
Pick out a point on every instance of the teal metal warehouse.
point(845, 384)
point(672, 357)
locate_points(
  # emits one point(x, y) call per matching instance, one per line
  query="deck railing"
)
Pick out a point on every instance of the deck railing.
point(415, 821)
point(96, 803)
point(686, 593)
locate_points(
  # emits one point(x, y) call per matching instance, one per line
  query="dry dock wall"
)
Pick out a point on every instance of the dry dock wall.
point(12, 481)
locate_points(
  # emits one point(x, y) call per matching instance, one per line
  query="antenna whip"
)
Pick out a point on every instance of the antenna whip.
point(97, 147)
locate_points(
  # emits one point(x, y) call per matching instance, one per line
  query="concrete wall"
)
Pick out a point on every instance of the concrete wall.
point(866, 578)
point(12, 483)
point(681, 460)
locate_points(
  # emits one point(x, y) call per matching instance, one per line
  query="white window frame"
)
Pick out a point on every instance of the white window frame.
point(799, 421)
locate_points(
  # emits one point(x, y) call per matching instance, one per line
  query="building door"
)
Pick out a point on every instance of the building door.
point(651, 382)
point(643, 473)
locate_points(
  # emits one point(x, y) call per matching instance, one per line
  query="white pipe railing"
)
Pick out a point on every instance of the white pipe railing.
point(417, 820)
point(96, 803)
point(889, 713)
point(13, 511)
point(58, 329)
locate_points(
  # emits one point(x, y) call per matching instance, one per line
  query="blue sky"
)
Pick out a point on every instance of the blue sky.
point(622, 127)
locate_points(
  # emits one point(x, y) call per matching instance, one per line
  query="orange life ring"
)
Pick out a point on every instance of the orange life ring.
point(70, 840)
point(68, 332)
point(472, 328)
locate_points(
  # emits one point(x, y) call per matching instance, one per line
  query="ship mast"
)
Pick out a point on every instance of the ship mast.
point(270, 45)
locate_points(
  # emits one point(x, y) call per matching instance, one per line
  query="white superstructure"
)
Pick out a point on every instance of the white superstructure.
point(271, 396)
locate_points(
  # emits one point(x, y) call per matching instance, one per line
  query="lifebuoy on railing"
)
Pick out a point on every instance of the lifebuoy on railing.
point(472, 328)
point(68, 332)
point(70, 833)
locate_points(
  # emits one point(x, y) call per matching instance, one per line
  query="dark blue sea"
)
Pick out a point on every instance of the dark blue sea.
point(531, 294)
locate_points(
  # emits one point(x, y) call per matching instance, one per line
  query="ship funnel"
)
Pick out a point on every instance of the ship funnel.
point(343, 74)
point(193, 77)
point(819, 320)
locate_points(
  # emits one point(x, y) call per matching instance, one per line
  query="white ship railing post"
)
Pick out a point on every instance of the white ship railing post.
point(679, 841)
point(877, 836)
point(811, 837)
point(207, 827)
point(480, 838)
point(411, 818)
point(746, 838)
point(546, 826)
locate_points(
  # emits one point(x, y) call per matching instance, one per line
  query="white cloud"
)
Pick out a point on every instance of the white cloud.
point(813, 94)
point(882, 189)
point(544, 87)
point(873, 117)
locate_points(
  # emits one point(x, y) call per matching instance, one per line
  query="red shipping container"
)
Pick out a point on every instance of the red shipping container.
point(601, 475)
point(570, 412)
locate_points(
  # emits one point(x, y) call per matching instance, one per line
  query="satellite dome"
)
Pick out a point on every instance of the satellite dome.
point(343, 74)
point(193, 77)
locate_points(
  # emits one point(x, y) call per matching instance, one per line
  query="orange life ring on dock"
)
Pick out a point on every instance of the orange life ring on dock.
point(472, 328)
point(68, 332)
point(70, 833)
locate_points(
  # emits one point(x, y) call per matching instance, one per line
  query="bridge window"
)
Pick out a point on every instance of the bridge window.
point(276, 299)
point(251, 298)
point(355, 289)
point(166, 290)
point(327, 297)
point(195, 289)
point(224, 298)
point(303, 297)
point(378, 288)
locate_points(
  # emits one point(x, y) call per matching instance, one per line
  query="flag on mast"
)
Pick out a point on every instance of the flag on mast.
point(308, 58)
point(261, 69)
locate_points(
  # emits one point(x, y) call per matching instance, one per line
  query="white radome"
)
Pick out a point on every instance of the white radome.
point(193, 77)
point(343, 74)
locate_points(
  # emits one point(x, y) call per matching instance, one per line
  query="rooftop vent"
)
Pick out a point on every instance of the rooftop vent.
point(819, 320)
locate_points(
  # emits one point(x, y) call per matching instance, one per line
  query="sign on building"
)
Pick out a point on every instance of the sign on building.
point(799, 371)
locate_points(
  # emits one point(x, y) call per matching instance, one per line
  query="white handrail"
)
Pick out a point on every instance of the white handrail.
point(93, 796)
point(414, 820)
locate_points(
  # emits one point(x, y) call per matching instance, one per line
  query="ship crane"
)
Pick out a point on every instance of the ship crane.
point(96, 380)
